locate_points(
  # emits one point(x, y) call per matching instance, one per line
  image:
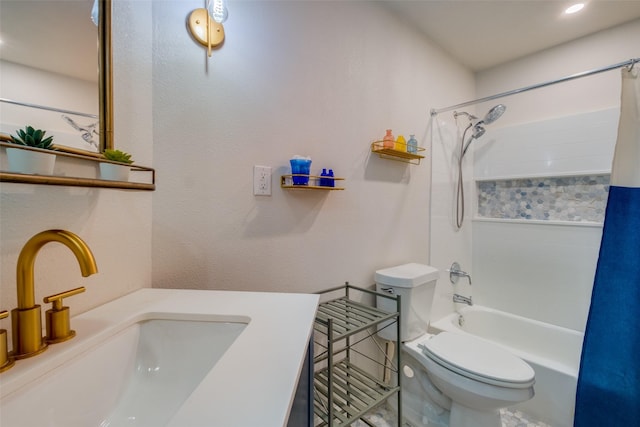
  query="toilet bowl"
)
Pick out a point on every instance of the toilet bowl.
point(467, 377)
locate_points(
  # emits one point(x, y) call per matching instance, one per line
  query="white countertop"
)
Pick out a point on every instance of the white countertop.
point(252, 385)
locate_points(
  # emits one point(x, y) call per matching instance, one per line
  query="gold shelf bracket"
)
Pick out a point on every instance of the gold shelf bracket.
point(398, 155)
point(286, 181)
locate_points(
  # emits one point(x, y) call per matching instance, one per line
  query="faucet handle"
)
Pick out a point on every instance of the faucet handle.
point(5, 360)
point(455, 273)
point(58, 322)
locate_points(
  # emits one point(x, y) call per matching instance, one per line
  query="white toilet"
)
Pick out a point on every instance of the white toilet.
point(447, 379)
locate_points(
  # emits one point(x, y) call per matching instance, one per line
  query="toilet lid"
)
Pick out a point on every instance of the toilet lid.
point(478, 359)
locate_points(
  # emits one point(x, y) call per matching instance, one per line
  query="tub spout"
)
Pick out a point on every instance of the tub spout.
point(462, 299)
point(26, 319)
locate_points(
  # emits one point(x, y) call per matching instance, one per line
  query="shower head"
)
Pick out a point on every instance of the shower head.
point(477, 126)
point(493, 114)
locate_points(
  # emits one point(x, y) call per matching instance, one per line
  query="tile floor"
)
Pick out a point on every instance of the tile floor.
point(382, 417)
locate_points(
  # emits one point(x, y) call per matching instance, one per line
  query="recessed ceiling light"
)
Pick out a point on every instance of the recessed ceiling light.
point(574, 8)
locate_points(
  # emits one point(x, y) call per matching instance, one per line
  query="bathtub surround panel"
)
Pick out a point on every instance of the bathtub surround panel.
point(535, 270)
point(541, 193)
point(576, 144)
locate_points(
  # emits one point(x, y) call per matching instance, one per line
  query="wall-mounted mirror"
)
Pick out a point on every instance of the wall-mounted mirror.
point(55, 68)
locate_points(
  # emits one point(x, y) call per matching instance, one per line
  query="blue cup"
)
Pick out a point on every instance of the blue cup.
point(300, 166)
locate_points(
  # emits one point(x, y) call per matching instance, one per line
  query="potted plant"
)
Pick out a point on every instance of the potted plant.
point(118, 167)
point(33, 156)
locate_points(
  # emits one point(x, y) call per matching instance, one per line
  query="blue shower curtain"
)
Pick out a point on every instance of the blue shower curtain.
point(608, 392)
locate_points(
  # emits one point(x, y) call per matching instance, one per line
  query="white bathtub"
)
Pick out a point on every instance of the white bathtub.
point(552, 351)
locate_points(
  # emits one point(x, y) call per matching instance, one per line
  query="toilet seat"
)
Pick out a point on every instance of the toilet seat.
point(478, 360)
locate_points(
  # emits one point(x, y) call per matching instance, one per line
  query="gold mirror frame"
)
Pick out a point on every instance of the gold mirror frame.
point(105, 79)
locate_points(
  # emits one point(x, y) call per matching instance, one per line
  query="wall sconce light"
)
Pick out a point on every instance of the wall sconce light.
point(205, 24)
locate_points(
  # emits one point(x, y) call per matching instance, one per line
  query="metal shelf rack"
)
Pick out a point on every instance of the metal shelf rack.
point(343, 391)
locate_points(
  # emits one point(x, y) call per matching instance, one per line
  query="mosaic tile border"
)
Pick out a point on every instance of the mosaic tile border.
point(567, 198)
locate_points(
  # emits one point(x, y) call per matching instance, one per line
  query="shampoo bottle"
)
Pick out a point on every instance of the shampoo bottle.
point(387, 141)
point(412, 144)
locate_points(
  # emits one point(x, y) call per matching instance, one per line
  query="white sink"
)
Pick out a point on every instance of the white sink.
point(138, 377)
point(174, 358)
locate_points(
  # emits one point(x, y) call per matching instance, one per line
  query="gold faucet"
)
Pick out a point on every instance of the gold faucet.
point(26, 319)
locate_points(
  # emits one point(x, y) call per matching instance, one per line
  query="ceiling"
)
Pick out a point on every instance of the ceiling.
point(484, 33)
point(478, 33)
point(55, 35)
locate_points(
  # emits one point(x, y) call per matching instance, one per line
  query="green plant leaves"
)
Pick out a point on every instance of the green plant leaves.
point(31, 137)
point(117, 156)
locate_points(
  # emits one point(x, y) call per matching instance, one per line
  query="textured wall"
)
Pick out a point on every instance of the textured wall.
point(322, 79)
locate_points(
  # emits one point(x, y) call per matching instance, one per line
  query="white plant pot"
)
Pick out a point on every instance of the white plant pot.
point(30, 162)
point(114, 172)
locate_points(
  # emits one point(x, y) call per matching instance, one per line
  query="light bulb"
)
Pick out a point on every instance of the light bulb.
point(218, 10)
point(95, 13)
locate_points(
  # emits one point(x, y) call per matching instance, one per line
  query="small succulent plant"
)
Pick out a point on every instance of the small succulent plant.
point(117, 156)
point(31, 137)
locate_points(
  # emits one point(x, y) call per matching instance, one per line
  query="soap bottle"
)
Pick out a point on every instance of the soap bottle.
point(330, 181)
point(412, 145)
point(324, 182)
point(387, 141)
point(401, 144)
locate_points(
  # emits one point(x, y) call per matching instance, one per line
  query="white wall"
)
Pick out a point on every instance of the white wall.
point(115, 224)
point(597, 92)
point(31, 85)
point(322, 79)
point(547, 270)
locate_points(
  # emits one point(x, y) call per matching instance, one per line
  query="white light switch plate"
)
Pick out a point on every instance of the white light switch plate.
point(261, 180)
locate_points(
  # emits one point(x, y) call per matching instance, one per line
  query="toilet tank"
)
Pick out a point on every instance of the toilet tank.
point(416, 285)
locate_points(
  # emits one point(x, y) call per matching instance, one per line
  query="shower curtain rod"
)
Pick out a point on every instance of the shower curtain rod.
point(43, 107)
point(629, 63)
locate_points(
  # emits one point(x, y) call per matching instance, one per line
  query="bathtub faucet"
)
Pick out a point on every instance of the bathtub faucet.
point(455, 272)
point(464, 300)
